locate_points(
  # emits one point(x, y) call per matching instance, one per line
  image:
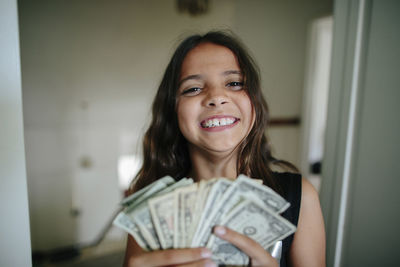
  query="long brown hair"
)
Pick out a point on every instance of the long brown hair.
point(165, 150)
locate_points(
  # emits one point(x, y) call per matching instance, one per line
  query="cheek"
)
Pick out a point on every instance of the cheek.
point(185, 116)
point(249, 111)
point(253, 115)
point(247, 107)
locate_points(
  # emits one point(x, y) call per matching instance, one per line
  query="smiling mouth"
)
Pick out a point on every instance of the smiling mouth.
point(218, 122)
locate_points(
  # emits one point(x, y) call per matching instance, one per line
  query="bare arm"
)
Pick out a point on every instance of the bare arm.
point(308, 247)
point(132, 249)
point(190, 257)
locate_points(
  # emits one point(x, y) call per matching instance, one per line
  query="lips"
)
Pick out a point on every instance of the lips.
point(218, 121)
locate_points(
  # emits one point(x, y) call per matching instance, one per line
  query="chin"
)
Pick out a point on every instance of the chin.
point(222, 148)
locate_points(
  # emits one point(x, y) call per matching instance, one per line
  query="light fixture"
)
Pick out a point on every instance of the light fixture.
point(193, 7)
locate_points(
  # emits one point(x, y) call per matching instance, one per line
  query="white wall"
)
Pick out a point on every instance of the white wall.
point(90, 71)
point(15, 247)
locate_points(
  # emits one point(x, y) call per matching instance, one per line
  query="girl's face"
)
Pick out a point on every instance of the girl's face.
point(215, 113)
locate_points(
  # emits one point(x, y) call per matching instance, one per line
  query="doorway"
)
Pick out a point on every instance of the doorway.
point(315, 98)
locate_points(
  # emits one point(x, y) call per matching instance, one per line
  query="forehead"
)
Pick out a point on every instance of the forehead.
point(208, 57)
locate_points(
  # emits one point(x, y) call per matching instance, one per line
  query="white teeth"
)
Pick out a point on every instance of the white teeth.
point(218, 122)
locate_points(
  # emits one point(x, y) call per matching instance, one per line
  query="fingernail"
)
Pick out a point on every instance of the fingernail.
point(205, 253)
point(210, 264)
point(219, 230)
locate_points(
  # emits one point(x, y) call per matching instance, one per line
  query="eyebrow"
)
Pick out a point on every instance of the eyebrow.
point(190, 77)
point(199, 77)
point(228, 72)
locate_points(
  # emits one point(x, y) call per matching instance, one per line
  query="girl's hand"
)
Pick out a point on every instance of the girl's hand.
point(188, 257)
point(257, 254)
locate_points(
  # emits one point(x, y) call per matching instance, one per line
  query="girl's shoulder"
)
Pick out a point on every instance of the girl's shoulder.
point(295, 189)
point(308, 248)
point(305, 213)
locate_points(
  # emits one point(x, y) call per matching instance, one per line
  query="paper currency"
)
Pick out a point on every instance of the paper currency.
point(139, 213)
point(142, 218)
point(178, 214)
point(185, 199)
point(216, 192)
point(265, 227)
point(147, 191)
point(243, 186)
point(124, 222)
point(162, 211)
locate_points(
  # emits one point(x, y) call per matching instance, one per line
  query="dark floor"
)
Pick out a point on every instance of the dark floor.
point(112, 259)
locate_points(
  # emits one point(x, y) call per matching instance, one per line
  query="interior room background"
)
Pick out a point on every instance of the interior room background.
point(359, 191)
point(89, 72)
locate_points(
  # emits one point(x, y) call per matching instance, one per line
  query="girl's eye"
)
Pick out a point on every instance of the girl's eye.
point(191, 91)
point(235, 85)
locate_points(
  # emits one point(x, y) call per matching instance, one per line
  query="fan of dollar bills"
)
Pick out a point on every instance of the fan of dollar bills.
point(179, 214)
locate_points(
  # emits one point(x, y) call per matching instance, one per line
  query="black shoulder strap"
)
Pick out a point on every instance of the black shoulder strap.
point(291, 187)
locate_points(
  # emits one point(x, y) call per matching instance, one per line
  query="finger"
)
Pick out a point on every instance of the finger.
point(244, 243)
point(255, 251)
point(170, 257)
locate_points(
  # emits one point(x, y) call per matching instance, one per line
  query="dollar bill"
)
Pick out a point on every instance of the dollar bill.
point(124, 222)
point(178, 226)
point(242, 186)
point(141, 215)
point(265, 227)
point(257, 191)
point(259, 181)
point(142, 218)
point(204, 189)
point(216, 191)
point(178, 214)
point(147, 191)
point(185, 199)
point(137, 228)
point(162, 212)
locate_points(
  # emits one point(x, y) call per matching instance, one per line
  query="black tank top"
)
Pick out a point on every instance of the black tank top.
point(290, 185)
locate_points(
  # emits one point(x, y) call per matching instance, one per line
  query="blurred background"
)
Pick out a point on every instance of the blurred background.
point(70, 138)
point(90, 70)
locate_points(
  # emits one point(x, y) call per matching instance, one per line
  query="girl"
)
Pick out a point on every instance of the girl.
point(209, 120)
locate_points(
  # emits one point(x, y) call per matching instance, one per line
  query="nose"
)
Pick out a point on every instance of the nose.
point(216, 97)
point(216, 101)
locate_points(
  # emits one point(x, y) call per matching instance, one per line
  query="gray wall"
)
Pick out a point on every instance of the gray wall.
point(367, 230)
point(15, 244)
point(373, 233)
